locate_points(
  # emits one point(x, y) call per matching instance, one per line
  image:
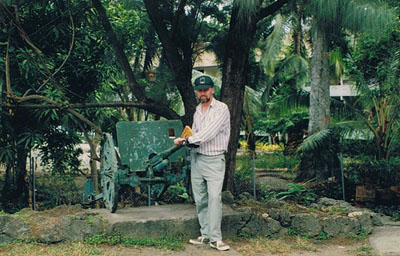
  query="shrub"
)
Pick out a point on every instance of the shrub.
point(299, 193)
point(176, 194)
point(368, 170)
point(55, 190)
point(276, 160)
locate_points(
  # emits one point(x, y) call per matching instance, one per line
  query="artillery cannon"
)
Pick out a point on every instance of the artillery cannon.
point(145, 157)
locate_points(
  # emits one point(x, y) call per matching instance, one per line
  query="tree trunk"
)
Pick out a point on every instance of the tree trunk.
point(319, 96)
point(297, 33)
point(178, 54)
point(21, 193)
point(15, 193)
point(323, 162)
point(235, 69)
point(137, 90)
point(251, 141)
point(234, 78)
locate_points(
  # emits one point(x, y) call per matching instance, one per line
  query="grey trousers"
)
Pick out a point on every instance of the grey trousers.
point(207, 176)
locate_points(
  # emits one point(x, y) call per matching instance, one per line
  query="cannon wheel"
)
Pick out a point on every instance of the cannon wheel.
point(109, 174)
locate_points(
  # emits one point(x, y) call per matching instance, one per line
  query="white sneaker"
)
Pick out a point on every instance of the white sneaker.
point(219, 245)
point(199, 240)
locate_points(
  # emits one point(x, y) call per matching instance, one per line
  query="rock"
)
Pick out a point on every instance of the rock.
point(269, 227)
point(379, 219)
point(265, 215)
point(251, 228)
point(273, 202)
point(307, 224)
point(283, 232)
point(336, 226)
point(74, 224)
point(341, 204)
point(227, 198)
point(283, 216)
point(260, 226)
point(354, 214)
point(245, 196)
point(12, 229)
point(366, 222)
point(50, 234)
point(232, 225)
point(81, 226)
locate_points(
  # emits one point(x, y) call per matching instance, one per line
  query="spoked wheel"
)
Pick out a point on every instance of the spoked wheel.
point(109, 174)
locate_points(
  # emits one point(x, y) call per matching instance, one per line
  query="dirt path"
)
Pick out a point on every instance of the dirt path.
point(267, 248)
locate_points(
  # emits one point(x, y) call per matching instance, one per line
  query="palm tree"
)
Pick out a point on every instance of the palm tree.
point(330, 17)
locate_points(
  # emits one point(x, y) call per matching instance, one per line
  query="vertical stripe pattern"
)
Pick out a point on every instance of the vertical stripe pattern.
point(211, 129)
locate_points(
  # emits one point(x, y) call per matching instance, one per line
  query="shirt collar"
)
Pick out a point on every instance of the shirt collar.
point(213, 102)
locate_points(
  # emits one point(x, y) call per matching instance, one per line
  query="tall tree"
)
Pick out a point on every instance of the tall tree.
point(58, 72)
point(178, 25)
point(240, 39)
point(332, 17)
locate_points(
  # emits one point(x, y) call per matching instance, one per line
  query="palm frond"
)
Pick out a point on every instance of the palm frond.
point(297, 68)
point(289, 99)
point(273, 45)
point(355, 15)
point(247, 8)
point(354, 129)
point(367, 16)
point(252, 101)
point(325, 11)
point(314, 141)
point(336, 60)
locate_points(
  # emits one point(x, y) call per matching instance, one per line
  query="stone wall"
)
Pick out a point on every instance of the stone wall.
point(72, 223)
point(327, 217)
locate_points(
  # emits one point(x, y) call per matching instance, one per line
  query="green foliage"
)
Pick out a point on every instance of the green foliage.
point(389, 210)
point(243, 175)
point(170, 243)
point(367, 170)
point(55, 190)
point(289, 122)
point(59, 154)
point(332, 188)
point(355, 147)
point(299, 193)
point(370, 55)
point(375, 68)
point(365, 251)
point(30, 139)
point(276, 160)
point(292, 232)
point(176, 193)
point(315, 141)
point(7, 154)
point(356, 16)
point(361, 236)
point(322, 236)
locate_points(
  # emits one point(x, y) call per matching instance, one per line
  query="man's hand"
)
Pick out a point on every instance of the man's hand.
point(179, 140)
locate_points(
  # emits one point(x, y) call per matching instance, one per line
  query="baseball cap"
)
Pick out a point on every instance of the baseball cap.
point(203, 82)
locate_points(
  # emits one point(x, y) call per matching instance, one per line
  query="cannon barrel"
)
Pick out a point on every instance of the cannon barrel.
point(160, 157)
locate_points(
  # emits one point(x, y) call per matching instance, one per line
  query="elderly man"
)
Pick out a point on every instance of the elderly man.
point(211, 127)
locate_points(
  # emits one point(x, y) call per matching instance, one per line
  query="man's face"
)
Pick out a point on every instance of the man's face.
point(205, 95)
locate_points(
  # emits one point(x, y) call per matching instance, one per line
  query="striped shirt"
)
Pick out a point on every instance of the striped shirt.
point(211, 129)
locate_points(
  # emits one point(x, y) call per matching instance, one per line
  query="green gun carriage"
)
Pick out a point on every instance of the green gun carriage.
point(146, 157)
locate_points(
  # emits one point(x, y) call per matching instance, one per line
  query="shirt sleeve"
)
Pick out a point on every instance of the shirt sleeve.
point(217, 123)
